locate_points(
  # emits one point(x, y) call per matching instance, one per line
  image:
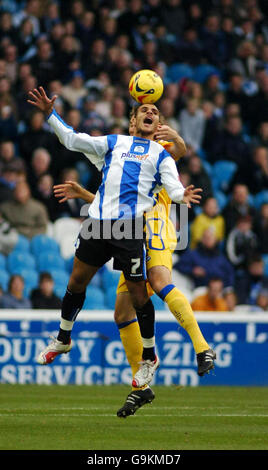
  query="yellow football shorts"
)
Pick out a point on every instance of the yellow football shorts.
point(159, 249)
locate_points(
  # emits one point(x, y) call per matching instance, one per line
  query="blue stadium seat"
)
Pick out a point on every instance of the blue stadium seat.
point(59, 276)
point(30, 281)
point(49, 260)
point(4, 278)
point(203, 71)
point(30, 276)
point(60, 290)
point(110, 278)
point(221, 199)
point(2, 261)
point(207, 167)
point(19, 259)
point(69, 264)
point(41, 243)
point(261, 198)
point(84, 173)
point(23, 244)
point(222, 173)
point(159, 304)
point(202, 154)
point(96, 281)
point(95, 299)
point(110, 295)
point(265, 260)
point(176, 72)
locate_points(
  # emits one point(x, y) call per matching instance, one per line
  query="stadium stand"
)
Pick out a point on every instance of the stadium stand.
point(196, 61)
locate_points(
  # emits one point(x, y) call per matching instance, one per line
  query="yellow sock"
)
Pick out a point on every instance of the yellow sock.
point(182, 311)
point(131, 339)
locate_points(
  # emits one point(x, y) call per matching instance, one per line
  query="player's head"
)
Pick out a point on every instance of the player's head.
point(144, 120)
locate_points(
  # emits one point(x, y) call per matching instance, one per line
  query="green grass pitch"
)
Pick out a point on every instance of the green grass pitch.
point(35, 417)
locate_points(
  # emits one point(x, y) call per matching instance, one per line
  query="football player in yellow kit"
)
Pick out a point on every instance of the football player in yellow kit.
point(161, 241)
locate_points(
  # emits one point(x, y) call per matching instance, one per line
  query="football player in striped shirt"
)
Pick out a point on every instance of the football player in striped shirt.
point(160, 243)
point(133, 169)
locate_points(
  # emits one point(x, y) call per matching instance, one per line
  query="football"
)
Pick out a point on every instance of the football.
point(146, 86)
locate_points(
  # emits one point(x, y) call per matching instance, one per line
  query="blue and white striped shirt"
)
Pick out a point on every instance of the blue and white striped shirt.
point(133, 170)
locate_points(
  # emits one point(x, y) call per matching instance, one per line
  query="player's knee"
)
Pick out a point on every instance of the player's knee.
point(77, 282)
point(140, 300)
point(158, 279)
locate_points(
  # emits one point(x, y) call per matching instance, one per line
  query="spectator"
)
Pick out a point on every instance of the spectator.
point(230, 298)
point(262, 300)
point(261, 228)
point(199, 176)
point(72, 207)
point(209, 218)
point(230, 143)
point(212, 38)
point(26, 40)
point(118, 115)
point(28, 216)
point(206, 262)
point(8, 237)
point(36, 136)
point(255, 174)
point(45, 195)
point(11, 59)
point(14, 298)
point(86, 30)
point(237, 207)
point(174, 17)
point(8, 157)
point(189, 48)
point(40, 165)
point(167, 108)
point(98, 60)
point(261, 139)
point(213, 300)
point(31, 10)
point(75, 89)
point(7, 30)
point(43, 63)
point(251, 281)
point(8, 180)
point(235, 93)
point(245, 61)
point(192, 124)
point(44, 297)
point(241, 243)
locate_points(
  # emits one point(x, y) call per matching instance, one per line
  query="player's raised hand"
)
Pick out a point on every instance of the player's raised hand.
point(165, 132)
point(68, 190)
point(39, 98)
point(191, 195)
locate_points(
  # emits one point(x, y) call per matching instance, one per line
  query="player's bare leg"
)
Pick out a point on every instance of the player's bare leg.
point(161, 282)
point(129, 330)
point(72, 303)
point(146, 318)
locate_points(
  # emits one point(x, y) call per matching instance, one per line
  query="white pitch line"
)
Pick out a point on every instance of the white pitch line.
point(17, 415)
point(159, 408)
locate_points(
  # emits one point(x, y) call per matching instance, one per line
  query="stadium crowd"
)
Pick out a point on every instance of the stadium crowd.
point(213, 58)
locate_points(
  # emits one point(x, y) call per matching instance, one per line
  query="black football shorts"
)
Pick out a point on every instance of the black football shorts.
point(95, 246)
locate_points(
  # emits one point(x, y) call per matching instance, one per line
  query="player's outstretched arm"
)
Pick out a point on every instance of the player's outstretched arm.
point(72, 190)
point(192, 195)
point(94, 148)
point(177, 147)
